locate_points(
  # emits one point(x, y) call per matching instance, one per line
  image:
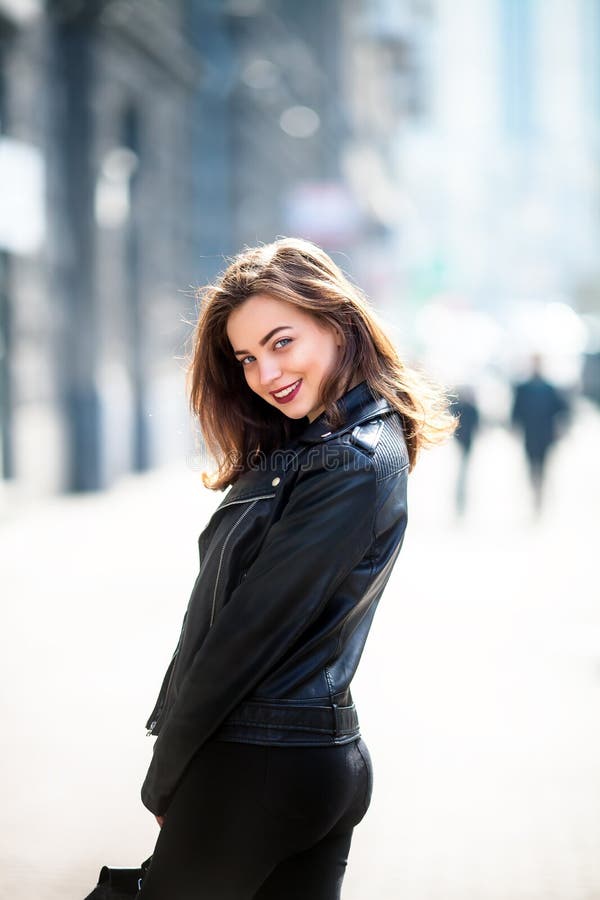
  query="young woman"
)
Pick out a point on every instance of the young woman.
point(259, 773)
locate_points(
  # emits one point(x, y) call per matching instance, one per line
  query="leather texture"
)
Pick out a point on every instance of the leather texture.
point(292, 566)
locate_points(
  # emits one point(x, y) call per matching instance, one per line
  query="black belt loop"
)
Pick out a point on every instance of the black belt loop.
point(335, 719)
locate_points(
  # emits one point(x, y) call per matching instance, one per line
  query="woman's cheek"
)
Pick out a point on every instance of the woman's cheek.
point(251, 380)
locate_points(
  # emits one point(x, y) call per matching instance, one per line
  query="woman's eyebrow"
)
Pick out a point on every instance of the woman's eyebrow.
point(266, 338)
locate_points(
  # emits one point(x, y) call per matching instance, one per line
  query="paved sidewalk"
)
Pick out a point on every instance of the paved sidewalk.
point(478, 691)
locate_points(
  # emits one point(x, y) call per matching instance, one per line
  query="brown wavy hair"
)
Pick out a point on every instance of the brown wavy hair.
point(236, 423)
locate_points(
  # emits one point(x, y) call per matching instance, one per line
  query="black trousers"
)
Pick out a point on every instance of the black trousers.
point(251, 822)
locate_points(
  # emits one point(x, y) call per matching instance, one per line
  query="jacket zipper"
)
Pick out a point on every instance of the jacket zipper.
point(252, 501)
point(164, 702)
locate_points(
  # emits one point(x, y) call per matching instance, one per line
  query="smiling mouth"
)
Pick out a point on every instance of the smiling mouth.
point(284, 395)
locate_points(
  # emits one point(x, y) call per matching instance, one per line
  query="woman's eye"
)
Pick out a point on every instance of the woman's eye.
point(282, 342)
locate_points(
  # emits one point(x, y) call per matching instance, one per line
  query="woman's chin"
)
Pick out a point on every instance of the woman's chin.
point(292, 414)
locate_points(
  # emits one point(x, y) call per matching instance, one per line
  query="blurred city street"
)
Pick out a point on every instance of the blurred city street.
point(478, 692)
point(446, 156)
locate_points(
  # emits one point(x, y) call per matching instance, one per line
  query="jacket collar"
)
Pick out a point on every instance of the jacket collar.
point(358, 405)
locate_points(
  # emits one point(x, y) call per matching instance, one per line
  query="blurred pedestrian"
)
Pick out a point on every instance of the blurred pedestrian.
point(465, 409)
point(259, 773)
point(538, 410)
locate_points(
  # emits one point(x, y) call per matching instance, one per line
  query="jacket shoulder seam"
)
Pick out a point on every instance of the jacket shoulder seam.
point(399, 471)
point(337, 449)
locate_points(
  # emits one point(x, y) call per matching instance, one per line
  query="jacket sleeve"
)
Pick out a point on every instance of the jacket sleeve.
point(325, 530)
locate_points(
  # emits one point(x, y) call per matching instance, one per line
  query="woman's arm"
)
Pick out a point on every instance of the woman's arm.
point(324, 532)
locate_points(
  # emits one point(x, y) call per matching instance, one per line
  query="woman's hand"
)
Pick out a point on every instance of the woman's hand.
point(160, 820)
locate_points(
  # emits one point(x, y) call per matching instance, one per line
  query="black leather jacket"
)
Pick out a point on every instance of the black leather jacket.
point(292, 565)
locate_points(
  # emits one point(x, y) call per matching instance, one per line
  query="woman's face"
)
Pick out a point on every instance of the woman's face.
point(285, 353)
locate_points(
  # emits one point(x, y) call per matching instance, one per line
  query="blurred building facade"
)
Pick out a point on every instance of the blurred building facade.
point(97, 232)
point(387, 66)
point(501, 186)
point(437, 149)
point(140, 143)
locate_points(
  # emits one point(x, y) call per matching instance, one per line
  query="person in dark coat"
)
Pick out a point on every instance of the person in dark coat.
point(538, 408)
point(465, 408)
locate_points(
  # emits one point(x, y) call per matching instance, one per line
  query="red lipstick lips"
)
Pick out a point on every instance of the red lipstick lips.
point(289, 396)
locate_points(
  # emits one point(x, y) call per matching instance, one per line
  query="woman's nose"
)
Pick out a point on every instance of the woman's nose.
point(269, 371)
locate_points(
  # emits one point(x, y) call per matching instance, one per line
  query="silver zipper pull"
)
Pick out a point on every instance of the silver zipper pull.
point(152, 724)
